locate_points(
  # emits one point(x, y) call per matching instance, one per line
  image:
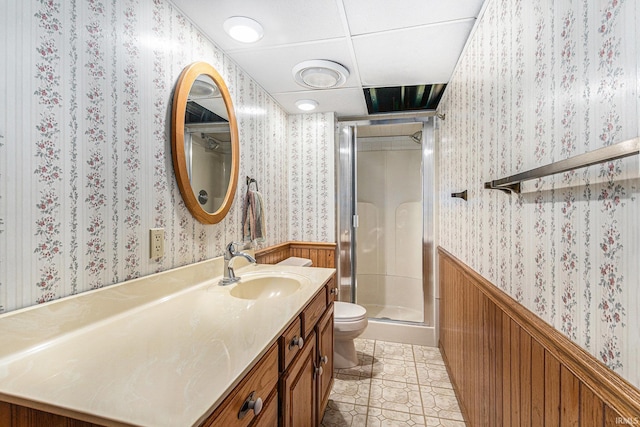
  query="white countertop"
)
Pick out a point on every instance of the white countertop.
point(162, 350)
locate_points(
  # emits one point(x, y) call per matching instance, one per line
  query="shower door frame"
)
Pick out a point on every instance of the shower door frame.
point(346, 203)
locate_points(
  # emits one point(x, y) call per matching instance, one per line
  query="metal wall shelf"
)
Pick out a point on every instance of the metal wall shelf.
point(511, 184)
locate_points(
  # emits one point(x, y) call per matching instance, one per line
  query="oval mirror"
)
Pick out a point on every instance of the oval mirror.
point(204, 142)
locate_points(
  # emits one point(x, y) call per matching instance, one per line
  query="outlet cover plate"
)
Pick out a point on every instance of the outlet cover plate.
point(156, 240)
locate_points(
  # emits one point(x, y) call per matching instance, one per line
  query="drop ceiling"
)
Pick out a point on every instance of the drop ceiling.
point(382, 43)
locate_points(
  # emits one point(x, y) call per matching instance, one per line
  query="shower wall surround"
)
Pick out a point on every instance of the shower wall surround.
point(85, 159)
point(541, 81)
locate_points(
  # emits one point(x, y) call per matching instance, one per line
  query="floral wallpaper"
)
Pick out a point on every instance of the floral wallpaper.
point(311, 178)
point(541, 81)
point(85, 158)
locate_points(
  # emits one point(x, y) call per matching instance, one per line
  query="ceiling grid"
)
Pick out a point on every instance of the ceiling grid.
point(381, 43)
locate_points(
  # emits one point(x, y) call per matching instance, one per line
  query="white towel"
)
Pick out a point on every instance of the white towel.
point(253, 217)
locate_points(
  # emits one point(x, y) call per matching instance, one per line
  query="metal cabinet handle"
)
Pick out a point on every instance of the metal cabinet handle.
point(250, 404)
point(324, 359)
point(319, 371)
point(296, 341)
point(334, 291)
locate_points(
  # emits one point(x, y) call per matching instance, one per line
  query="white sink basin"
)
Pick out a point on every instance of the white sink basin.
point(266, 285)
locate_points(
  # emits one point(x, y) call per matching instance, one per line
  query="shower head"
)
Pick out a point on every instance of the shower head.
point(417, 137)
point(212, 143)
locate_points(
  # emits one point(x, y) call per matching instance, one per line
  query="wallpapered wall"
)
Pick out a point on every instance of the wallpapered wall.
point(538, 82)
point(311, 178)
point(85, 163)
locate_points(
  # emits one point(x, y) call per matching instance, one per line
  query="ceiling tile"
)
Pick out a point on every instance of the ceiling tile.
point(368, 16)
point(284, 21)
point(345, 102)
point(381, 43)
point(272, 67)
point(418, 55)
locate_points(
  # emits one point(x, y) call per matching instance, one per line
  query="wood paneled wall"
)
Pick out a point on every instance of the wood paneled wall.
point(510, 368)
point(321, 254)
point(273, 254)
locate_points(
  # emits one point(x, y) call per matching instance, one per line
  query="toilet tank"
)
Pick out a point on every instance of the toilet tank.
point(296, 262)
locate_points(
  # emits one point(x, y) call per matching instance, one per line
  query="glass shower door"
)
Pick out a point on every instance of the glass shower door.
point(388, 247)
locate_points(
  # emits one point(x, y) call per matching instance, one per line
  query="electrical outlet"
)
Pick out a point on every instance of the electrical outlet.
point(156, 237)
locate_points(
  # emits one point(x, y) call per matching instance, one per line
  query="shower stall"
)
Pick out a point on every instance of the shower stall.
point(386, 201)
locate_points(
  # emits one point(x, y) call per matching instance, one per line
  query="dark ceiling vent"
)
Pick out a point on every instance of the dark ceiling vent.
point(403, 98)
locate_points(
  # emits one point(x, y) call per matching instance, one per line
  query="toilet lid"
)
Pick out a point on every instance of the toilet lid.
point(348, 312)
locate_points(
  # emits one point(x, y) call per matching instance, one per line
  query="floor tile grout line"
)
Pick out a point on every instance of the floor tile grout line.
point(415, 367)
point(366, 418)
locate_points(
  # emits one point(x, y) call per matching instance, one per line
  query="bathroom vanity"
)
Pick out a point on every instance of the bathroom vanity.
point(175, 348)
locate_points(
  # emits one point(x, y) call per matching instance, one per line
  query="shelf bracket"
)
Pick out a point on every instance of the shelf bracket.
point(461, 195)
point(506, 188)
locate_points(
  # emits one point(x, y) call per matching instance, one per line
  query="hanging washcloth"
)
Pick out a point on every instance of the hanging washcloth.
point(253, 218)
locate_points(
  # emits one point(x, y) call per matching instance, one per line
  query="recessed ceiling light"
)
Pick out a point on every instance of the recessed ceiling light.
point(243, 29)
point(306, 104)
point(320, 74)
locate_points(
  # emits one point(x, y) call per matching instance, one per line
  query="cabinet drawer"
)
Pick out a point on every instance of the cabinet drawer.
point(269, 415)
point(261, 381)
point(332, 290)
point(289, 343)
point(313, 311)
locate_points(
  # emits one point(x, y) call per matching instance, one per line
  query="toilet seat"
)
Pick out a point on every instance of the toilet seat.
point(348, 312)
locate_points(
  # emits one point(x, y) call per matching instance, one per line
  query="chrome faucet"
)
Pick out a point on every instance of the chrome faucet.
point(229, 276)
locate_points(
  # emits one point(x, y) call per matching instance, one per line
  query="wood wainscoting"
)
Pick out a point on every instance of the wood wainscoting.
point(510, 368)
point(321, 254)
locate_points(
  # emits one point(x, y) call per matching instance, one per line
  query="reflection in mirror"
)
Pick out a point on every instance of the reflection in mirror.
point(204, 143)
point(207, 143)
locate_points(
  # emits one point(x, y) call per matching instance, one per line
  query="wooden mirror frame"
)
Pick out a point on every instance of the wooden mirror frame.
point(181, 94)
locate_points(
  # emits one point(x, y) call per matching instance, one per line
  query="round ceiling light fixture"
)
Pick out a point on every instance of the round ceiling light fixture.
point(320, 74)
point(306, 104)
point(243, 29)
point(203, 89)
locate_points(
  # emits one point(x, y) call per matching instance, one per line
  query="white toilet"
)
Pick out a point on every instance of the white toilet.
point(349, 321)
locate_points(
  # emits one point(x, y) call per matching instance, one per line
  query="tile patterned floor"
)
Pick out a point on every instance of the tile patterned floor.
point(394, 385)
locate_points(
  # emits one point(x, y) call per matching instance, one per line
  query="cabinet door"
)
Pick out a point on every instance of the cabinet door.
point(324, 331)
point(298, 388)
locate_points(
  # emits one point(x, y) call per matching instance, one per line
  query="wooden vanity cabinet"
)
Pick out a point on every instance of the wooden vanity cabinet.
point(305, 365)
point(12, 415)
point(305, 384)
point(293, 379)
